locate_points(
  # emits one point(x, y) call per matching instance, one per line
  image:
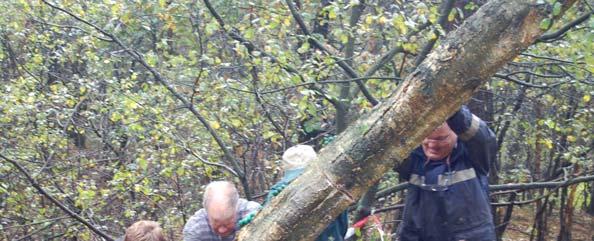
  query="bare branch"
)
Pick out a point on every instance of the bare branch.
point(385, 58)
point(550, 37)
point(544, 86)
point(42, 191)
point(548, 58)
point(234, 34)
point(71, 27)
point(328, 82)
point(160, 79)
point(445, 9)
point(535, 74)
point(501, 187)
point(341, 62)
point(211, 163)
point(540, 185)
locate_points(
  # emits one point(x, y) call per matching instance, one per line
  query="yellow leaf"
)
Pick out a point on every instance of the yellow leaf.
point(369, 20)
point(382, 20)
point(571, 138)
point(215, 125)
point(586, 98)
point(452, 16)
point(130, 104)
point(331, 14)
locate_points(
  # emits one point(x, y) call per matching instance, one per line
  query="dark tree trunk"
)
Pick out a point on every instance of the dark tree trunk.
point(566, 213)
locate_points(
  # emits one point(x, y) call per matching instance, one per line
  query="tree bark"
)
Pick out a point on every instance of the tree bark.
point(360, 156)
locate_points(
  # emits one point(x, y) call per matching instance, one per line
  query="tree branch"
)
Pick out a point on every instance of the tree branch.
point(445, 8)
point(42, 191)
point(544, 86)
point(540, 185)
point(500, 187)
point(71, 27)
point(326, 82)
point(160, 79)
point(341, 62)
point(251, 47)
point(550, 37)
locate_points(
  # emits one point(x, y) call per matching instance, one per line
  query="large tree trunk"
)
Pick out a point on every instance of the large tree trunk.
point(360, 156)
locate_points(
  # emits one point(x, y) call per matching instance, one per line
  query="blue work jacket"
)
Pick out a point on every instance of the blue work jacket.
point(335, 230)
point(448, 200)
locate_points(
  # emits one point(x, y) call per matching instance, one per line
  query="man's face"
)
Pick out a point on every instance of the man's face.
point(223, 227)
point(222, 221)
point(440, 143)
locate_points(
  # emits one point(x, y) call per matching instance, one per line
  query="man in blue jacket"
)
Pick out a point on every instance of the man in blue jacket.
point(448, 197)
point(294, 161)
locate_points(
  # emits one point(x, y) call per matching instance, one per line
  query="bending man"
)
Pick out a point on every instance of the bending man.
point(217, 220)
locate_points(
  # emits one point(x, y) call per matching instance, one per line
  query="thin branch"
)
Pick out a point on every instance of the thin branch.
point(72, 27)
point(38, 222)
point(547, 58)
point(388, 56)
point(544, 86)
point(347, 68)
point(388, 191)
point(327, 82)
point(540, 185)
point(246, 43)
point(36, 231)
point(159, 78)
point(550, 37)
point(234, 34)
point(445, 9)
point(42, 191)
point(500, 229)
point(535, 74)
point(555, 185)
point(349, 53)
point(212, 163)
point(259, 99)
point(502, 187)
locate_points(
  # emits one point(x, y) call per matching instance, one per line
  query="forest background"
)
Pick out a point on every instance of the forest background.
point(115, 111)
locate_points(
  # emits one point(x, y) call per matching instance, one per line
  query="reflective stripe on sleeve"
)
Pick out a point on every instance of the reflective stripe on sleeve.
point(474, 126)
point(457, 176)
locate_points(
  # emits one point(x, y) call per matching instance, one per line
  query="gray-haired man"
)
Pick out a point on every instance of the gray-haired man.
point(217, 220)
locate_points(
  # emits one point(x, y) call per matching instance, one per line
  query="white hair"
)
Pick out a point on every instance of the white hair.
point(298, 156)
point(221, 190)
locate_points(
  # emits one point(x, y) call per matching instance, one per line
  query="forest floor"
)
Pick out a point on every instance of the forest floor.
point(523, 218)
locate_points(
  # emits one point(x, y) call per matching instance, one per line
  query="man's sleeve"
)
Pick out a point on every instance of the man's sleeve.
point(404, 169)
point(252, 206)
point(194, 228)
point(479, 140)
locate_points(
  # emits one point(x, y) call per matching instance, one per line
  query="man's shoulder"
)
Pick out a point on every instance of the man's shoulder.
point(197, 224)
point(248, 206)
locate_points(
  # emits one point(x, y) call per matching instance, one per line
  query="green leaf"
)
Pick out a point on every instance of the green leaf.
point(304, 47)
point(557, 8)
point(142, 163)
point(545, 24)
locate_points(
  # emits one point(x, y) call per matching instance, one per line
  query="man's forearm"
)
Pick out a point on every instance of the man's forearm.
point(477, 137)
